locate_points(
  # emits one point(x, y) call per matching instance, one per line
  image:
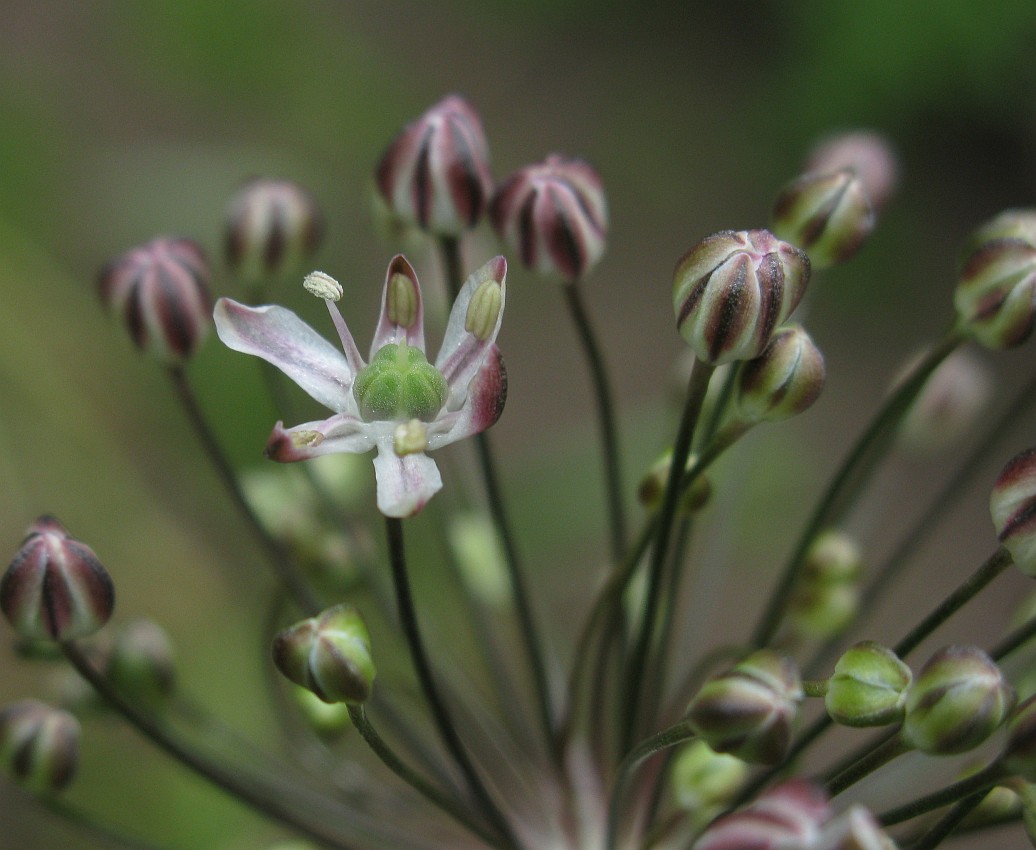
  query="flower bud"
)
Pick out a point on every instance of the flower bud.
point(733, 289)
point(480, 557)
point(950, 403)
point(435, 174)
point(827, 214)
point(55, 588)
point(140, 664)
point(652, 485)
point(554, 215)
point(272, 228)
point(868, 688)
point(854, 829)
point(749, 710)
point(958, 699)
point(703, 779)
point(329, 655)
point(868, 154)
point(161, 291)
point(996, 289)
point(39, 745)
point(784, 380)
point(1013, 507)
point(787, 816)
point(825, 598)
point(1019, 756)
point(330, 720)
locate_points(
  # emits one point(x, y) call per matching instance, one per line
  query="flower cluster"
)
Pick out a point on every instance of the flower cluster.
point(606, 730)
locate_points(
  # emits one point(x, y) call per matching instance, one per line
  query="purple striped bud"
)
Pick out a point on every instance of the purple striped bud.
point(749, 710)
point(329, 655)
point(554, 215)
point(958, 699)
point(785, 817)
point(273, 227)
point(784, 380)
point(39, 745)
point(869, 155)
point(55, 588)
point(1013, 506)
point(161, 291)
point(828, 215)
point(996, 289)
point(733, 289)
point(435, 174)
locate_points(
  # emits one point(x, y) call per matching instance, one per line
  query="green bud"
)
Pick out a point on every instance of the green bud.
point(329, 720)
point(958, 699)
point(398, 385)
point(703, 779)
point(39, 745)
point(823, 610)
point(480, 557)
point(749, 710)
point(832, 558)
point(140, 664)
point(329, 655)
point(652, 485)
point(869, 687)
point(828, 215)
point(784, 380)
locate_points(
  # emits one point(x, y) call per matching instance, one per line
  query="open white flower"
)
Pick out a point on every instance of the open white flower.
point(398, 403)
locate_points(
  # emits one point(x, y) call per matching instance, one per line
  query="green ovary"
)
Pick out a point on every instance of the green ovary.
point(400, 384)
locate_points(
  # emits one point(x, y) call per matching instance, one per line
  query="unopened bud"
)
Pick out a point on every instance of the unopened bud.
point(784, 380)
point(272, 228)
point(703, 779)
point(652, 485)
point(787, 816)
point(329, 655)
point(39, 745)
point(826, 596)
point(733, 289)
point(869, 687)
point(958, 699)
point(749, 710)
point(1013, 508)
point(868, 154)
point(161, 291)
point(828, 215)
point(435, 174)
point(996, 289)
point(330, 720)
point(140, 664)
point(554, 215)
point(55, 588)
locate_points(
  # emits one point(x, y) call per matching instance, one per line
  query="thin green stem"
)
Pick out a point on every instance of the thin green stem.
point(87, 824)
point(1016, 639)
point(605, 418)
point(978, 782)
point(949, 823)
point(994, 565)
point(881, 755)
point(280, 558)
point(678, 733)
point(434, 795)
point(267, 801)
point(850, 479)
point(426, 679)
point(638, 660)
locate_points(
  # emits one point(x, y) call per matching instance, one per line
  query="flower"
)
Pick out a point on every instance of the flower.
point(398, 403)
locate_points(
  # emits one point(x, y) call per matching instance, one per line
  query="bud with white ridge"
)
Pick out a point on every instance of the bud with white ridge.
point(828, 215)
point(435, 174)
point(140, 664)
point(784, 380)
point(55, 588)
point(867, 154)
point(733, 289)
point(39, 745)
point(958, 699)
point(328, 654)
point(868, 688)
point(161, 291)
point(273, 227)
point(702, 779)
point(554, 215)
point(749, 710)
point(995, 296)
point(1013, 507)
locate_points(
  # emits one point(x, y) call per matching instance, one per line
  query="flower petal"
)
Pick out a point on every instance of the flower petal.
point(341, 433)
point(463, 353)
point(482, 406)
point(402, 311)
point(405, 484)
point(280, 337)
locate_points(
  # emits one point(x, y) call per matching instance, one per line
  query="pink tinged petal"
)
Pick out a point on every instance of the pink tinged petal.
point(463, 354)
point(487, 393)
point(341, 433)
point(405, 484)
point(283, 339)
point(400, 303)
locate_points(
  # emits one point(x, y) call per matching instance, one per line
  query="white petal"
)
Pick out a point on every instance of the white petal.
point(405, 484)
